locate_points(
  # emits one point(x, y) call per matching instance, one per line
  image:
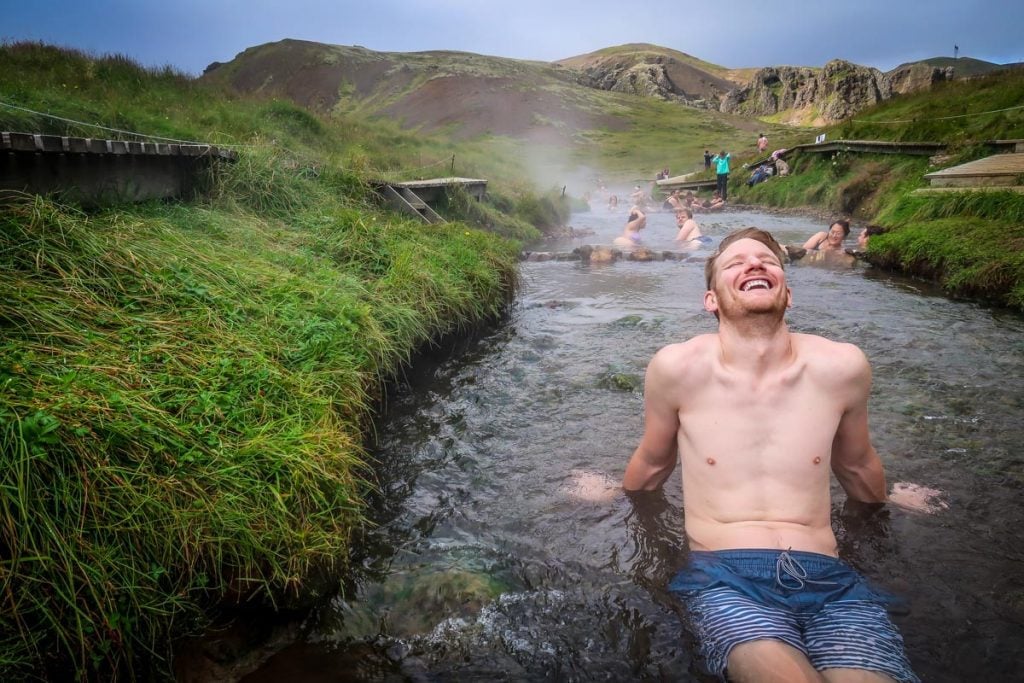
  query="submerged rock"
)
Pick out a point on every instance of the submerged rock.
point(414, 602)
point(598, 254)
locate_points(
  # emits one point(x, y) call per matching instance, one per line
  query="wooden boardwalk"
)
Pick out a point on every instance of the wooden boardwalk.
point(676, 184)
point(882, 147)
point(97, 171)
point(996, 170)
point(856, 146)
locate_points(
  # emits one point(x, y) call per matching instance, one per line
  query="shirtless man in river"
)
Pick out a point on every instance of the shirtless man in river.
point(758, 416)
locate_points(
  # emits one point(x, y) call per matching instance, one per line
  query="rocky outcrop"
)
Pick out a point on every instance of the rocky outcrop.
point(837, 91)
point(913, 77)
point(655, 76)
point(649, 80)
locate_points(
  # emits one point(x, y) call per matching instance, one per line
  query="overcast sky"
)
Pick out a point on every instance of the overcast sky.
point(189, 34)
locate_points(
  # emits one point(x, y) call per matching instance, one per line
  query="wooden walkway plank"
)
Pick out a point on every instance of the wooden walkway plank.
point(998, 169)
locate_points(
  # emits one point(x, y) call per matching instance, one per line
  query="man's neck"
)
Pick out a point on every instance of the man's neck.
point(755, 344)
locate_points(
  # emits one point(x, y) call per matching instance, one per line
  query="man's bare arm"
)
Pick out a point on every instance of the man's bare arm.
point(655, 458)
point(854, 460)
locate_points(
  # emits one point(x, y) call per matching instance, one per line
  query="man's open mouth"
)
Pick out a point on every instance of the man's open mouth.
point(755, 284)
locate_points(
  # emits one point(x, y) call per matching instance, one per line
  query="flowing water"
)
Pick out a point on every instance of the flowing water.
point(505, 551)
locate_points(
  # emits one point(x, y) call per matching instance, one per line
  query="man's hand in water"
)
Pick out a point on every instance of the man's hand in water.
point(916, 498)
point(904, 495)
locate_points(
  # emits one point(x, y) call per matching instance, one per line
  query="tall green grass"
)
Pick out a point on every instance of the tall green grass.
point(185, 388)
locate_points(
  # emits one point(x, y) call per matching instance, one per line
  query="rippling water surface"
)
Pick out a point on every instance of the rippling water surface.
point(505, 551)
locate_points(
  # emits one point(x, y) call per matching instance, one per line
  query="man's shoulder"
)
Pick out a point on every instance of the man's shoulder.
point(835, 356)
point(684, 355)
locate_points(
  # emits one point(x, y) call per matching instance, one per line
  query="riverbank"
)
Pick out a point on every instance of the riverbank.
point(186, 391)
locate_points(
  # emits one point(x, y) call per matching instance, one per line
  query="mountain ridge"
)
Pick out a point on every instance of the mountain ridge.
point(468, 95)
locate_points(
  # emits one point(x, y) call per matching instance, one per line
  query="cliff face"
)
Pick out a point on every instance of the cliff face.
point(654, 76)
point(819, 96)
point(912, 77)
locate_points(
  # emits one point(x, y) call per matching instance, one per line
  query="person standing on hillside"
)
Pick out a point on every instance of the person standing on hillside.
point(722, 169)
point(762, 143)
point(758, 416)
point(707, 160)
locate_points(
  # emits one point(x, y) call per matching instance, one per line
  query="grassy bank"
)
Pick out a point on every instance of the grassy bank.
point(970, 243)
point(184, 387)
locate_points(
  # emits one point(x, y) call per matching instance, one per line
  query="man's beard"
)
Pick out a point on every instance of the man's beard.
point(767, 311)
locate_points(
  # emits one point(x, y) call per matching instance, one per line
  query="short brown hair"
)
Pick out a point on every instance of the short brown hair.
point(757, 234)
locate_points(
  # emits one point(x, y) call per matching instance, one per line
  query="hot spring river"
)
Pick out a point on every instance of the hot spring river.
point(504, 550)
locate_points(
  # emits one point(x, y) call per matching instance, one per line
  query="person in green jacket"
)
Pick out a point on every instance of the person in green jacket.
point(722, 168)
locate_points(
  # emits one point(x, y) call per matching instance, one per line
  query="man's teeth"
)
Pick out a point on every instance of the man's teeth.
point(755, 284)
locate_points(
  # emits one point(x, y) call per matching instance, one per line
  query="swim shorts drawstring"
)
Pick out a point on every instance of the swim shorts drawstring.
point(790, 566)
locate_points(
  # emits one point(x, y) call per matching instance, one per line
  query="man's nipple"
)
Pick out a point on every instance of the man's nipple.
point(711, 461)
point(817, 460)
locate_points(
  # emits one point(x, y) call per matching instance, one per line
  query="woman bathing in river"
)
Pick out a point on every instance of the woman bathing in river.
point(636, 222)
point(831, 240)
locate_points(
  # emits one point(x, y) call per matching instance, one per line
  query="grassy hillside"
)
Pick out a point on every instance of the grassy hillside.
point(971, 243)
point(961, 113)
point(184, 387)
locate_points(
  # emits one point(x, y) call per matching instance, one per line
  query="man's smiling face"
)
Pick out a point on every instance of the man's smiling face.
point(748, 279)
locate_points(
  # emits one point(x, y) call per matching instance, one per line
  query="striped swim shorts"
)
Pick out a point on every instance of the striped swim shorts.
point(815, 603)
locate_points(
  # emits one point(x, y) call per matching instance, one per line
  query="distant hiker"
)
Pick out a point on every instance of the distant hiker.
point(762, 143)
point(722, 169)
point(707, 160)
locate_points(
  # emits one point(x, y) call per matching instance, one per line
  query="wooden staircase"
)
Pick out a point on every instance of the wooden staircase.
point(407, 201)
point(415, 196)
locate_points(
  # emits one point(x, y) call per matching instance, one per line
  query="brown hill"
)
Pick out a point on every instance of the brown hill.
point(653, 71)
point(460, 93)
